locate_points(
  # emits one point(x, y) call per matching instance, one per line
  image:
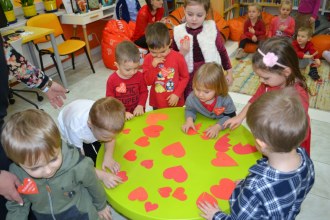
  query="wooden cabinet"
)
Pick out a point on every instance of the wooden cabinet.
point(226, 8)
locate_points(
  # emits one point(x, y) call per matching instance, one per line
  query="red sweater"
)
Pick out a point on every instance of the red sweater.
point(131, 92)
point(166, 79)
point(259, 28)
point(277, 22)
point(309, 47)
point(144, 18)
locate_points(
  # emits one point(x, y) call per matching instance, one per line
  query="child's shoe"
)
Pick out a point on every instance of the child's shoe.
point(326, 55)
point(314, 74)
point(240, 53)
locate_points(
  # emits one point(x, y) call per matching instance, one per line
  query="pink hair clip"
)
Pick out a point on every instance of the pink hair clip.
point(270, 59)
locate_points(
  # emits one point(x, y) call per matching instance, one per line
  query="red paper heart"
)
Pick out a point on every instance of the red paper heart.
point(223, 160)
point(126, 131)
point(192, 131)
point(205, 197)
point(179, 194)
point(142, 141)
point(224, 189)
point(122, 175)
point(222, 144)
point(204, 136)
point(130, 155)
point(177, 173)
point(121, 88)
point(153, 118)
point(244, 149)
point(165, 191)
point(147, 163)
point(219, 110)
point(150, 206)
point(175, 149)
point(29, 186)
point(138, 194)
point(153, 130)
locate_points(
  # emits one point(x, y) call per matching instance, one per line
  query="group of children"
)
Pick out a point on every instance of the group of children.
point(190, 74)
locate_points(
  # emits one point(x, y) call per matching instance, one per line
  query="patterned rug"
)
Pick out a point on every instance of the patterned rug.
point(246, 82)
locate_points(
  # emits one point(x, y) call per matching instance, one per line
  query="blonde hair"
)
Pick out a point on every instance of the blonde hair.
point(286, 3)
point(108, 114)
point(258, 7)
point(29, 135)
point(308, 30)
point(211, 76)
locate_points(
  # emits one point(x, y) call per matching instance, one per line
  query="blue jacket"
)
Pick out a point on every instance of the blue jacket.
point(122, 10)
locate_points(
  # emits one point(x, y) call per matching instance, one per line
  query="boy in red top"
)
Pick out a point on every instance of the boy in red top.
point(164, 69)
point(127, 83)
point(306, 53)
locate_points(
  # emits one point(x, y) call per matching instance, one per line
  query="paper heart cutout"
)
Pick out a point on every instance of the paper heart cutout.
point(244, 149)
point(147, 164)
point(224, 189)
point(177, 173)
point(223, 160)
point(192, 131)
point(28, 187)
point(130, 155)
point(150, 206)
point(122, 175)
point(153, 130)
point(121, 88)
point(204, 136)
point(184, 38)
point(205, 197)
point(219, 110)
point(222, 144)
point(176, 150)
point(126, 131)
point(142, 141)
point(165, 192)
point(138, 194)
point(179, 194)
point(153, 118)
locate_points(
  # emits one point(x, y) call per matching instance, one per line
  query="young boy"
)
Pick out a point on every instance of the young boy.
point(83, 122)
point(127, 83)
point(57, 181)
point(306, 52)
point(164, 69)
point(277, 185)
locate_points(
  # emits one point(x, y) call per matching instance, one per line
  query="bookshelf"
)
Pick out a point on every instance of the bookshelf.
point(228, 9)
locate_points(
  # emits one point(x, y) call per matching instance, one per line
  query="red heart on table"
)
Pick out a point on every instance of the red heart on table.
point(130, 155)
point(179, 194)
point(142, 141)
point(165, 191)
point(175, 149)
point(224, 189)
point(126, 131)
point(177, 173)
point(222, 144)
point(205, 197)
point(28, 187)
point(244, 149)
point(138, 194)
point(223, 160)
point(121, 88)
point(204, 136)
point(153, 130)
point(153, 118)
point(192, 131)
point(122, 175)
point(147, 163)
point(219, 110)
point(150, 206)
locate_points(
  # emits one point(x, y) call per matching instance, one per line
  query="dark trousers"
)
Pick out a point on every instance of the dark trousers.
point(243, 42)
point(90, 149)
point(141, 42)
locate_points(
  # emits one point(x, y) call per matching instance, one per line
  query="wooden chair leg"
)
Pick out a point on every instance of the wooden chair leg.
point(89, 59)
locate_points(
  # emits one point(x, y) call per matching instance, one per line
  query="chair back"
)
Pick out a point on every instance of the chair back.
point(48, 20)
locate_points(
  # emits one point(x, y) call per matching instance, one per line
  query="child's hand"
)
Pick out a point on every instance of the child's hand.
point(128, 116)
point(254, 38)
point(312, 20)
point(229, 77)
point(138, 110)
point(172, 100)
point(213, 131)
point(233, 123)
point(157, 61)
point(109, 180)
point(283, 27)
point(208, 210)
point(112, 165)
point(185, 47)
point(105, 213)
point(189, 124)
point(317, 62)
point(251, 30)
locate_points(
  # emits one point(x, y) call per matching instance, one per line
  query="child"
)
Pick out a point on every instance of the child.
point(58, 182)
point(83, 122)
point(276, 64)
point(326, 55)
point(306, 53)
point(283, 25)
point(165, 70)
point(210, 98)
point(199, 41)
point(307, 14)
point(127, 83)
point(127, 10)
point(278, 184)
point(254, 30)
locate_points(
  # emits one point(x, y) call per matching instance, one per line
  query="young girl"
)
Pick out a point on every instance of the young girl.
point(199, 41)
point(283, 25)
point(210, 98)
point(276, 64)
point(254, 30)
point(307, 14)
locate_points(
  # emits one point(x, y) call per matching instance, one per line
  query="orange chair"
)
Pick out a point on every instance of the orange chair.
point(67, 47)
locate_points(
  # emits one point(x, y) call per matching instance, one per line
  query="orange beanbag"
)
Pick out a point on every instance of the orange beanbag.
point(321, 43)
point(236, 26)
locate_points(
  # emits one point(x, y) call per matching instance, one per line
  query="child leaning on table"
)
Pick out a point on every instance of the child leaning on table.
point(278, 184)
point(210, 98)
point(58, 182)
point(127, 83)
point(84, 122)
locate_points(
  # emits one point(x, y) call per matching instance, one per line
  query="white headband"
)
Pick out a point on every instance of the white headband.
point(270, 59)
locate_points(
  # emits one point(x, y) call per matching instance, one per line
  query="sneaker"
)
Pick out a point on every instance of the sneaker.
point(314, 74)
point(239, 53)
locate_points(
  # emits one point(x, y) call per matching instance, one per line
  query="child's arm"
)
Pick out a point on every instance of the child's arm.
point(236, 121)
point(110, 88)
point(108, 161)
point(149, 71)
point(105, 213)
point(289, 30)
point(139, 110)
point(225, 61)
point(128, 116)
point(143, 90)
point(190, 113)
point(208, 210)
point(260, 30)
point(109, 180)
point(189, 124)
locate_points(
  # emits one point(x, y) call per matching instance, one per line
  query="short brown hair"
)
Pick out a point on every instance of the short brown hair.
point(211, 76)
point(30, 134)
point(206, 4)
point(278, 119)
point(157, 35)
point(108, 114)
point(126, 51)
point(308, 30)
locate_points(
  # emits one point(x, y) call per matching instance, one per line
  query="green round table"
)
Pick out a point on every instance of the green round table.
point(167, 171)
